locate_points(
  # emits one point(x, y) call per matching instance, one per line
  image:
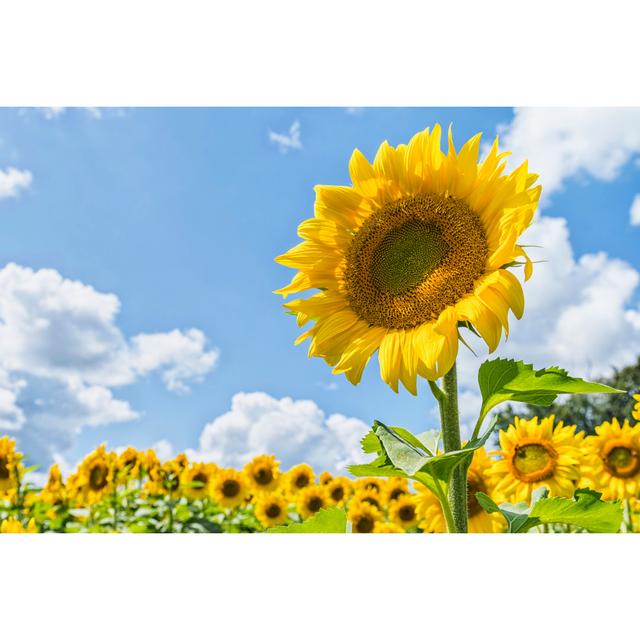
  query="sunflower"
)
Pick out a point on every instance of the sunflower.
point(369, 484)
point(430, 515)
point(387, 527)
point(298, 478)
point(229, 488)
point(534, 454)
point(11, 525)
point(95, 476)
point(54, 491)
point(196, 480)
point(9, 465)
point(404, 512)
point(325, 477)
point(612, 460)
point(129, 464)
point(636, 409)
point(478, 479)
point(339, 490)
point(311, 500)
point(394, 488)
point(419, 243)
point(149, 460)
point(271, 510)
point(164, 479)
point(369, 496)
point(363, 517)
point(263, 474)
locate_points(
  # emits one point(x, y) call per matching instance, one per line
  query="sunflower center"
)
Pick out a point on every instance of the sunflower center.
point(4, 469)
point(201, 479)
point(273, 510)
point(314, 504)
point(302, 481)
point(474, 484)
point(622, 462)
point(230, 488)
point(534, 462)
point(364, 524)
point(396, 493)
point(264, 476)
point(337, 494)
point(407, 513)
point(98, 477)
point(413, 258)
point(372, 501)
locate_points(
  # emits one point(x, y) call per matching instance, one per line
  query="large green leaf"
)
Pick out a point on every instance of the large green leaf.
point(504, 380)
point(333, 520)
point(586, 511)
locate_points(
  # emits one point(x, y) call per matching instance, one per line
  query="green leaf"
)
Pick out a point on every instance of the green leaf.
point(504, 380)
point(586, 510)
point(333, 520)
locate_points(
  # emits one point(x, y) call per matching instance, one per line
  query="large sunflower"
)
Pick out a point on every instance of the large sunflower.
point(612, 460)
point(534, 454)
point(419, 243)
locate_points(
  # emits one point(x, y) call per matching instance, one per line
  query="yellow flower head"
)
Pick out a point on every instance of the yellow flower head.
point(311, 500)
point(95, 476)
point(404, 512)
point(130, 462)
point(479, 479)
point(394, 488)
point(298, 478)
point(369, 484)
point(370, 497)
point(229, 488)
point(420, 242)
point(363, 517)
point(149, 460)
point(387, 527)
point(196, 479)
point(271, 510)
point(164, 479)
point(535, 454)
point(612, 460)
point(325, 477)
point(9, 465)
point(339, 490)
point(636, 408)
point(430, 515)
point(263, 474)
point(11, 525)
point(54, 491)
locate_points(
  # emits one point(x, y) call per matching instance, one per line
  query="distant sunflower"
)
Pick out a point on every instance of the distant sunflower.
point(636, 408)
point(9, 465)
point(95, 477)
point(263, 474)
point(363, 517)
point(535, 454)
point(421, 242)
point(271, 510)
point(325, 477)
point(229, 488)
point(311, 500)
point(299, 477)
point(54, 490)
point(164, 479)
point(612, 460)
point(404, 512)
point(372, 484)
point(129, 464)
point(387, 527)
point(149, 461)
point(196, 480)
point(11, 525)
point(369, 496)
point(394, 488)
point(478, 479)
point(339, 490)
point(430, 515)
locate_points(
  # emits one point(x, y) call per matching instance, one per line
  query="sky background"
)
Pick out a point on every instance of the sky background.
point(136, 273)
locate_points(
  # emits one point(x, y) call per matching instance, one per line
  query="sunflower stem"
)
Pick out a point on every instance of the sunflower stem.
point(452, 442)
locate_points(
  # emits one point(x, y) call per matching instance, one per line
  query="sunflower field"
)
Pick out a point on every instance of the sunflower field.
point(544, 477)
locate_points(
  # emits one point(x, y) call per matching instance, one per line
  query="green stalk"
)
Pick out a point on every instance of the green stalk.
point(452, 442)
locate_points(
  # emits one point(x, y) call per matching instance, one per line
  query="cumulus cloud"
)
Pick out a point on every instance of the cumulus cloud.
point(634, 212)
point(62, 354)
point(287, 141)
point(13, 181)
point(292, 430)
point(562, 143)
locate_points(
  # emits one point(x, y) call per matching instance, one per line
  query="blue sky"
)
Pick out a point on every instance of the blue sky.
point(180, 212)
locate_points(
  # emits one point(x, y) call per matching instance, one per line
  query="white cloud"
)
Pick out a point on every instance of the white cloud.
point(634, 212)
point(293, 430)
point(62, 353)
point(287, 141)
point(95, 113)
point(562, 143)
point(13, 181)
